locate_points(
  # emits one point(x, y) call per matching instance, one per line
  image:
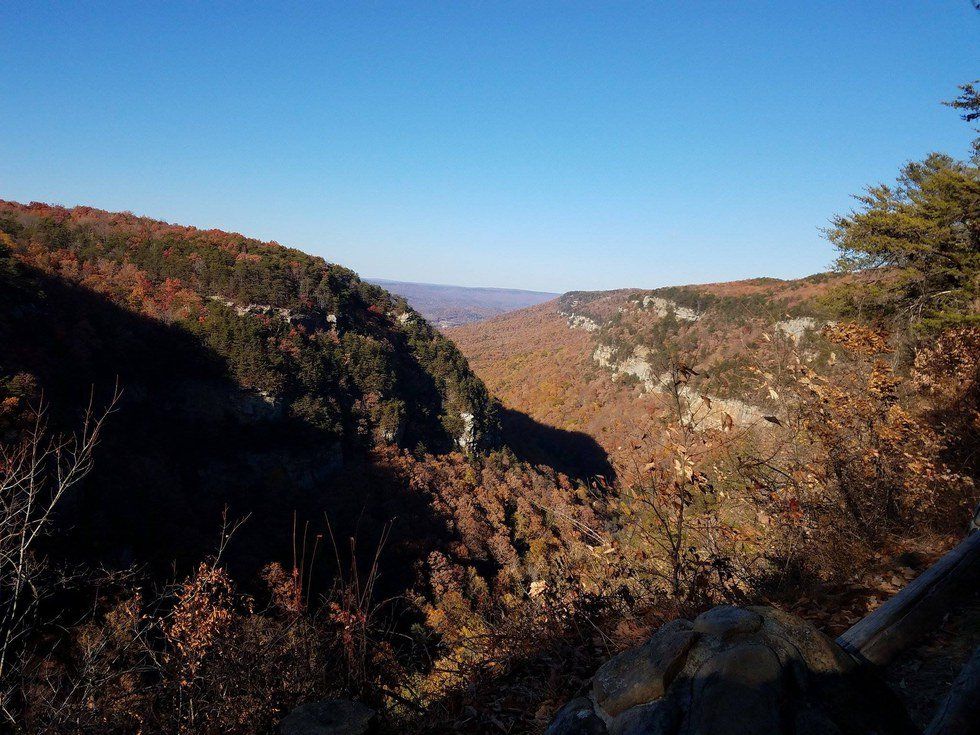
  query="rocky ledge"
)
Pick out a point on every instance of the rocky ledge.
point(734, 671)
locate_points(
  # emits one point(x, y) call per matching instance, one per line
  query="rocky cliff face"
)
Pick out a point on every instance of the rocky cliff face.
point(641, 337)
point(707, 410)
point(608, 364)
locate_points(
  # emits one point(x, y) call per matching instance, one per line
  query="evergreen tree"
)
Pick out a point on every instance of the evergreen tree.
point(917, 242)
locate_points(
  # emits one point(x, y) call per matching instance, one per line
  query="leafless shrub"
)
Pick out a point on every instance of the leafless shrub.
point(36, 473)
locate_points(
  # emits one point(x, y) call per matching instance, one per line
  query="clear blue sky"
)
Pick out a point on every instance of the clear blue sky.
point(549, 146)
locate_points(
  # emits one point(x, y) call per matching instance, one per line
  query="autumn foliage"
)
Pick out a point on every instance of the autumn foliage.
point(453, 590)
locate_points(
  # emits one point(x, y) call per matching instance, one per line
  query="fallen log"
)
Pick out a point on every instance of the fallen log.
point(918, 608)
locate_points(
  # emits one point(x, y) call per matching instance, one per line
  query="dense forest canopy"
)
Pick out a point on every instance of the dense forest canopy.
point(334, 351)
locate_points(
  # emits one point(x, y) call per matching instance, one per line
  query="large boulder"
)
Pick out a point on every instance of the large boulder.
point(329, 717)
point(735, 671)
point(642, 674)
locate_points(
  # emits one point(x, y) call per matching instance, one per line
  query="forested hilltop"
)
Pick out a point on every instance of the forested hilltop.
point(251, 377)
point(308, 337)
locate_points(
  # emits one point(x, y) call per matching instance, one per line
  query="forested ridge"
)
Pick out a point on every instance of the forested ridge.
point(593, 362)
point(338, 353)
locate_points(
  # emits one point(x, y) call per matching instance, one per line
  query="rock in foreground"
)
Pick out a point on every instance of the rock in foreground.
point(734, 671)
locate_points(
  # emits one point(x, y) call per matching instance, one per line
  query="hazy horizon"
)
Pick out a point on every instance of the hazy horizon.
point(382, 281)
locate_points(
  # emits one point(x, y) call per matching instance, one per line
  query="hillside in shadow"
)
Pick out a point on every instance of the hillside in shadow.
point(573, 453)
point(186, 446)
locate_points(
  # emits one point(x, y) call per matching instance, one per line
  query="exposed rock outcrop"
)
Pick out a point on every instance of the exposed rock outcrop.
point(750, 671)
point(468, 440)
point(578, 321)
point(662, 307)
point(212, 400)
point(796, 328)
point(708, 411)
point(290, 316)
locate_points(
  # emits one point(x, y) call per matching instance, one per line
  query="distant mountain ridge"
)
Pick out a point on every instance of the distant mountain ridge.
point(452, 306)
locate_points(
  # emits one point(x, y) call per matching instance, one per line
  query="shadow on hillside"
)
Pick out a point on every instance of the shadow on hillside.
point(186, 445)
point(573, 453)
